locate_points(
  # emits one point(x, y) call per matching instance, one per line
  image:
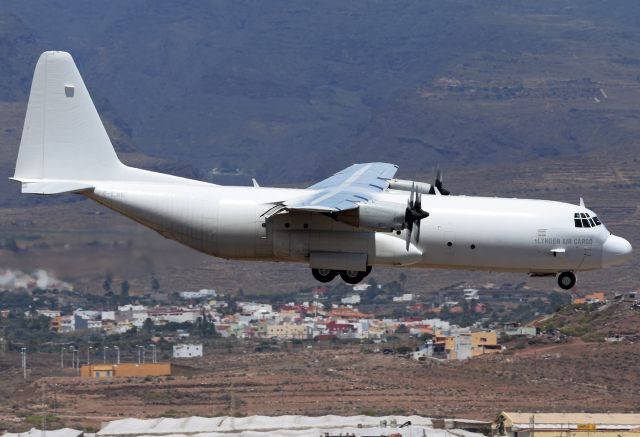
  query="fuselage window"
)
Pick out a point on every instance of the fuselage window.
point(585, 223)
point(591, 222)
point(597, 221)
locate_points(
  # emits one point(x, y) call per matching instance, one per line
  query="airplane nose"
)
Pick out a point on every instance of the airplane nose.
point(615, 250)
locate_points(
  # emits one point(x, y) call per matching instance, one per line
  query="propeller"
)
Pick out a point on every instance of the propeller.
point(413, 214)
point(438, 184)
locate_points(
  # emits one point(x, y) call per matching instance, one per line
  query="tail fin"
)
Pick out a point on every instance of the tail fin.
point(64, 143)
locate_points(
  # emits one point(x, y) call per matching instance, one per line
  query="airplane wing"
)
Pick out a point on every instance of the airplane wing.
point(344, 189)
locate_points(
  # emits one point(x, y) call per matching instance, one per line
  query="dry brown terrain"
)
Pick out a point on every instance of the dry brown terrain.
point(349, 380)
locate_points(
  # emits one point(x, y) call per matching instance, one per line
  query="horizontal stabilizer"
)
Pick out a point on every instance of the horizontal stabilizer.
point(44, 186)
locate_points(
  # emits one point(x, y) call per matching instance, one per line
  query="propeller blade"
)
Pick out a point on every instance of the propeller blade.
point(438, 183)
point(418, 231)
point(413, 187)
point(409, 231)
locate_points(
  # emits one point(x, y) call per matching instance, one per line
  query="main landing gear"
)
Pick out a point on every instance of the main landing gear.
point(348, 276)
point(566, 280)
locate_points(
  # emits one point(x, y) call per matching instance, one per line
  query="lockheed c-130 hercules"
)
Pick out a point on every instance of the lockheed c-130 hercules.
point(359, 218)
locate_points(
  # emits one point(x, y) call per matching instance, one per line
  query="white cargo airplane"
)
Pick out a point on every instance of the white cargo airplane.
point(358, 218)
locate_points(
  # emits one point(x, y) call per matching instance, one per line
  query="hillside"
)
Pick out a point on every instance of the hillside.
point(596, 322)
point(243, 88)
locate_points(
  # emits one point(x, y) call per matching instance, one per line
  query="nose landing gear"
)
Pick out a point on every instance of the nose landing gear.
point(566, 280)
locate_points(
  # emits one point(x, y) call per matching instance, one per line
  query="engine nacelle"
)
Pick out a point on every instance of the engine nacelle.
point(376, 216)
point(405, 185)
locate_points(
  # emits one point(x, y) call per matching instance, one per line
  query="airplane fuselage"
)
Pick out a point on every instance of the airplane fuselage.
point(483, 233)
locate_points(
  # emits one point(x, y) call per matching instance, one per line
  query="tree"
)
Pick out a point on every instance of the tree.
point(403, 279)
point(148, 325)
point(204, 324)
point(11, 244)
point(124, 288)
point(402, 329)
point(155, 284)
point(108, 279)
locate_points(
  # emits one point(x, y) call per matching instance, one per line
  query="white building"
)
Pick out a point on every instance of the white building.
point(87, 314)
point(361, 287)
point(48, 313)
point(437, 324)
point(94, 324)
point(187, 350)
point(108, 315)
point(201, 294)
point(130, 307)
point(407, 297)
point(351, 300)
point(471, 294)
point(259, 311)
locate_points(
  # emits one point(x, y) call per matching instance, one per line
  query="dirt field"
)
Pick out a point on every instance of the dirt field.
point(571, 377)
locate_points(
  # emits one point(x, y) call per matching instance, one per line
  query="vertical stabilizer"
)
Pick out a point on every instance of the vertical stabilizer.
point(63, 137)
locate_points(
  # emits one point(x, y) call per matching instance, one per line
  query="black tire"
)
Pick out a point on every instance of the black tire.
point(353, 277)
point(566, 280)
point(324, 275)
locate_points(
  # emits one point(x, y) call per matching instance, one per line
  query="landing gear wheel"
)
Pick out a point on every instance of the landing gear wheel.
point(353, 277)
point(566, 280)
point(324, 275)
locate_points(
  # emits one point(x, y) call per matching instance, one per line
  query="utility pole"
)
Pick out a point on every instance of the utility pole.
point(154, 356)
point(62, 357)
point(89, 355)
point(139, 354)
point(75, 358)
point(44, 415)
point(117, 354)
point(104, 354)
point(23, 353)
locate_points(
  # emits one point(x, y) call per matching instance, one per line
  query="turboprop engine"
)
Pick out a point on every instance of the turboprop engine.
point(420, 187)
point(382, 216)
point(376, 216)
point(387, 216)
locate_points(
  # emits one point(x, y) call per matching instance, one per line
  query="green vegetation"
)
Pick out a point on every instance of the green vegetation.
point(49, 421)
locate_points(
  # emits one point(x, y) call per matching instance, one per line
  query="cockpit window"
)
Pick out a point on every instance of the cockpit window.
point(584, 220)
